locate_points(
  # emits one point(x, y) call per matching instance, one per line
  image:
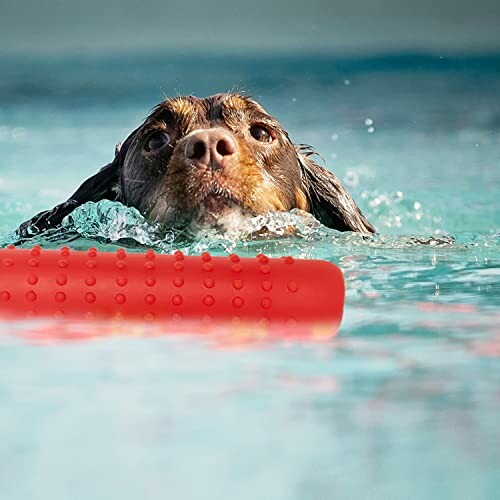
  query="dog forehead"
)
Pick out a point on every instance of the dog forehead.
point(189, 109)
point(183, 105)
point(183, 109)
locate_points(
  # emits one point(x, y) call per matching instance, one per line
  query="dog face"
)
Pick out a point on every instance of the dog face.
point(209, 162)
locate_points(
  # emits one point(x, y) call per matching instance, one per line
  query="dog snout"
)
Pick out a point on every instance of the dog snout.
point(210, 148)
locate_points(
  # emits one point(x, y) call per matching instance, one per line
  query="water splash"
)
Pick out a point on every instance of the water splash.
point(113, 224)
point(395, 211)
point(110, 225)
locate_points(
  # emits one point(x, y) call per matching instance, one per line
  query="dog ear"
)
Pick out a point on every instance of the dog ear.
point(104, 185)
point(328, 200)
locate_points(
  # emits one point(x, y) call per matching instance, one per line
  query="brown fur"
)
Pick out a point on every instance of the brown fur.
point(170, 188)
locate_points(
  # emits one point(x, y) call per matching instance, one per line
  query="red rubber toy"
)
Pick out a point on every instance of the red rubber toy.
point(105, 285)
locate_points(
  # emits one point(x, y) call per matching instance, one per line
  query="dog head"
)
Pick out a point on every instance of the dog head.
point(209, 162)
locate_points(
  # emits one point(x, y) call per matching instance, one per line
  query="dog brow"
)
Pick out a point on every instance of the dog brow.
point(177, 112)
point(180, 106)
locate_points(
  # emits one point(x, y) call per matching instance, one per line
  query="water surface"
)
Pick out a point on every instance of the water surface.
point(404, 403)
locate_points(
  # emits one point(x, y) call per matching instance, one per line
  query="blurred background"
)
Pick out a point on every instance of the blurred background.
point(335, 26)
point(380, 88)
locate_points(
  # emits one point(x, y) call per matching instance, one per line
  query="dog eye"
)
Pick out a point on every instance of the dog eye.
point(157, 140)
point(260, 133)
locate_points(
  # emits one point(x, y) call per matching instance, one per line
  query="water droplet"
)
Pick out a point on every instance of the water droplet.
point(351, 179)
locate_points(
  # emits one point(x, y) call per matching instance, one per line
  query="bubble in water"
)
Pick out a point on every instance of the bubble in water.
point(368, 122)
point(347, 82)
point(351, 179)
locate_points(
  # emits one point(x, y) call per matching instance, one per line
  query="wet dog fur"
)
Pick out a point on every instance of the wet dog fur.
point(208, 162)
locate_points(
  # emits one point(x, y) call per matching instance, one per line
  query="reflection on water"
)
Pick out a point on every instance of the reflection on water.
point(366, 412)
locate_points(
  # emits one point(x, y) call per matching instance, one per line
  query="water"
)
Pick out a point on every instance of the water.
point(404, 403)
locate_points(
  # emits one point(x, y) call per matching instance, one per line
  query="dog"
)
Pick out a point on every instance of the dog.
point(208, 162)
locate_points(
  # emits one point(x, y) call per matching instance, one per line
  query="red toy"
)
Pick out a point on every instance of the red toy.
point(149, 286)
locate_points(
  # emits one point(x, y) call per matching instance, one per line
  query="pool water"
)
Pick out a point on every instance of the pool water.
point(404, 403)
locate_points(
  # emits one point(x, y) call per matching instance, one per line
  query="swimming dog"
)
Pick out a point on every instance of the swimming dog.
point(207, 163)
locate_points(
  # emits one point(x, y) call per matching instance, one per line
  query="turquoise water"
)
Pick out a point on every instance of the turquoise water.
point(404, 403)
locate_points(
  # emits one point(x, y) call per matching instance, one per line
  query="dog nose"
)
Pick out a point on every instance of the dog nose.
point(210, 148)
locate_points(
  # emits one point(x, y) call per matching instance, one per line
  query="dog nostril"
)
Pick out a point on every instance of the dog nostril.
point(224, 147)
point(198, 151)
